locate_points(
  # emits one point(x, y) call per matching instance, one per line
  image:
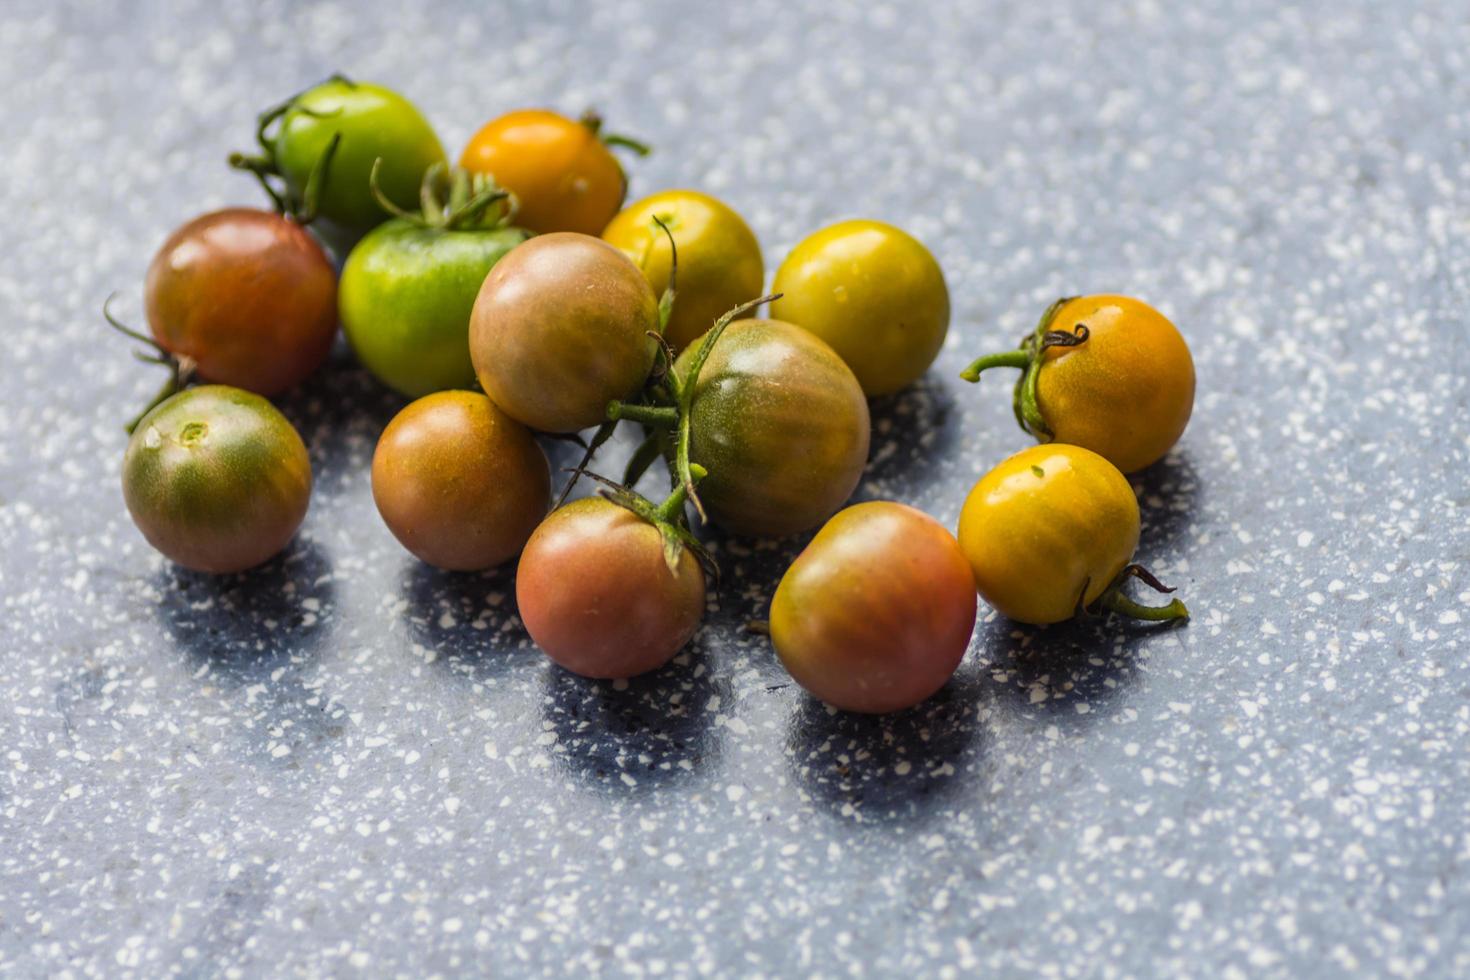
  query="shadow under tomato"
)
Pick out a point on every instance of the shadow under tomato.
point(254, 638)
point(468, 618)
point(1168, 500)
point(910, 429)
point(1073, 673)
point(340, 411)
point(635, 736)
point(889, 769)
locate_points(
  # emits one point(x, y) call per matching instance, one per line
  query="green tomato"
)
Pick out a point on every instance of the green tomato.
point(781, 425)
point(374, 122)
point(216, 478)
point(873, 292)
point(405, 299)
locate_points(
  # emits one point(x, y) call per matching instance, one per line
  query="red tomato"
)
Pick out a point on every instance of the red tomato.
point(877, 612)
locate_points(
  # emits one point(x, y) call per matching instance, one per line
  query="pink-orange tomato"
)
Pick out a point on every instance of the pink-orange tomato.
point(597, 596)
point(877, 612)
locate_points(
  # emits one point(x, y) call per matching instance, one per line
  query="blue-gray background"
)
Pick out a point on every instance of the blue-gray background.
point(346, 762)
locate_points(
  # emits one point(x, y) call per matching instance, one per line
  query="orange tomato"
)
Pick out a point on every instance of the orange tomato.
point(1120, 384)
point(560, 170)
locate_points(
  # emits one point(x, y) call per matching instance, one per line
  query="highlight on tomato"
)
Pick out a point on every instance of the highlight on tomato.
point(459, 483)
point(719, 259)
point(322, 144)
point(613, 586)
point(1108, 373)
point(876, 613)
point(409, 285)
point(1050, 534)
point(874, 293)
point(216, 479)
point(563, 325)
point(561, 171)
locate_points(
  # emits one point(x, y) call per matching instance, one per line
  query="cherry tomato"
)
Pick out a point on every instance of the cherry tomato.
point(560, 170)
point(374, 122)
point(781, 425)
point(406, 295)
point(216, 479)
point(1051, 531)
point(596, 594)
point(876, 613)
point(1114, 376)
point(560, 329)
point(458, 482)
point(720, 263)
point(874, 293)
point(248, 295)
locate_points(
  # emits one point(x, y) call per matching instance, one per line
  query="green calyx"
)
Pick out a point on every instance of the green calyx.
point(451, 199)
point(264, 166)
point(593, 121)
point(668, 517)
point(181, 369)
point(1028, 358)
point(1115, 600)
point(668, 407)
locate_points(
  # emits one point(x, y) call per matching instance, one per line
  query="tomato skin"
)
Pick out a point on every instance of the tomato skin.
point(877, 612)
point(374, 122)
point(459, 483)
point(217, 479)
point(248, 295)
point(781, 425)
point(563, 176)
point(596, 595)
point(560, 329)
point(405, 301)
point(720, 263)
point(1043, 524)
point(873, 292)
point(1128, 391)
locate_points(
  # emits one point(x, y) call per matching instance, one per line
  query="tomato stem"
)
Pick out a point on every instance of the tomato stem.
point(1115, 600)
point(1009, 359)
point(181, 368)
point(1122, 605)
point(662, 416)
point(666, 301)
point(686, 387)
point(264, 166)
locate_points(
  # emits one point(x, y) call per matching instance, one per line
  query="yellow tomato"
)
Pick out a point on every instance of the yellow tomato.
point(720, 263)
point(873, 292)
point(1120, 382)
point(560, 170)
point(1051, 531)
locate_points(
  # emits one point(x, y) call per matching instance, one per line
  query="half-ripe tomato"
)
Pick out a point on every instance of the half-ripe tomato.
point(876, 613)
point(873, 292)
point(1113, 375)
point(458, 482)
point(1050, 533)
point(373, 122)
point(596, 593)
point(720, 262)
point(781, 425)
point(216, 478)
point(247, 295)
point(560, 170)
point(560, 329)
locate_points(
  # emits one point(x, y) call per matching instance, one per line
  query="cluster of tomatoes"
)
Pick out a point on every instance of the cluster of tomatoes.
point(520, 271)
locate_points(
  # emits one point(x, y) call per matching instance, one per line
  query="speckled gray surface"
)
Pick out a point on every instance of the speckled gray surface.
point(348, 763)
